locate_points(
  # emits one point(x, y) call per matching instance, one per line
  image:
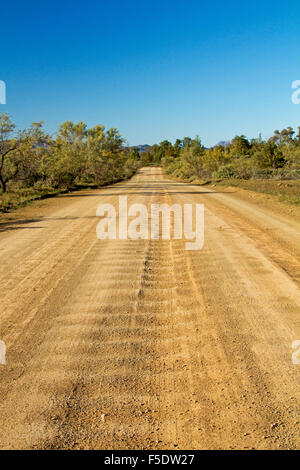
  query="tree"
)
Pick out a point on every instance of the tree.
point(9, 164)
point(214, 158)
point(270, 156)
point(240, 146)
point(69, 157)
point(35, 154)
point(134, 154)
point(192, 155)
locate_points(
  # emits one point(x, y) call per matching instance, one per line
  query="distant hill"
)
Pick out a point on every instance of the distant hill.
point(224, 143)
point(142, 148)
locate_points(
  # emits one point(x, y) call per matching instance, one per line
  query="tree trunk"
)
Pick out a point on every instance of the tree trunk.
point(3, 183)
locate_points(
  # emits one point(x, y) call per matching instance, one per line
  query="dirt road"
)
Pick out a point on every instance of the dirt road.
point(142, 344)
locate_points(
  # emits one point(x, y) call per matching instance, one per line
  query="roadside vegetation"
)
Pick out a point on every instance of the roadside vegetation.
point(271, 166)
point(287, 191)
point(34, 165)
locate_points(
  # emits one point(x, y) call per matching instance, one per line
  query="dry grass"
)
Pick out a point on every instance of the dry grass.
point(17, 198)
point(283, 191)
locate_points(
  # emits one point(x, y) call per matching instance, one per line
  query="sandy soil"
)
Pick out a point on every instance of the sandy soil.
point(142, 344)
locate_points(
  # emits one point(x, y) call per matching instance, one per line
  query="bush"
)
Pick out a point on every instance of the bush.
point(225, 172)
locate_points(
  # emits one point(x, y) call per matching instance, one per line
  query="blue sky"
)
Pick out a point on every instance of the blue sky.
point(154, 69)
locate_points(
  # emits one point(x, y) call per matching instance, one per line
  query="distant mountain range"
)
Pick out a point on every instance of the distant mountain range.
point(142, 148)
point(224, 143)
point(145, 147)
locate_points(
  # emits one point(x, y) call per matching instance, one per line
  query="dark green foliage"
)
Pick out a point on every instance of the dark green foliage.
point(278, 157)
point(33, 159)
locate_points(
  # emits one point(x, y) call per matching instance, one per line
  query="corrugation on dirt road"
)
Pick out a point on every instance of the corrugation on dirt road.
point(142, 344)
